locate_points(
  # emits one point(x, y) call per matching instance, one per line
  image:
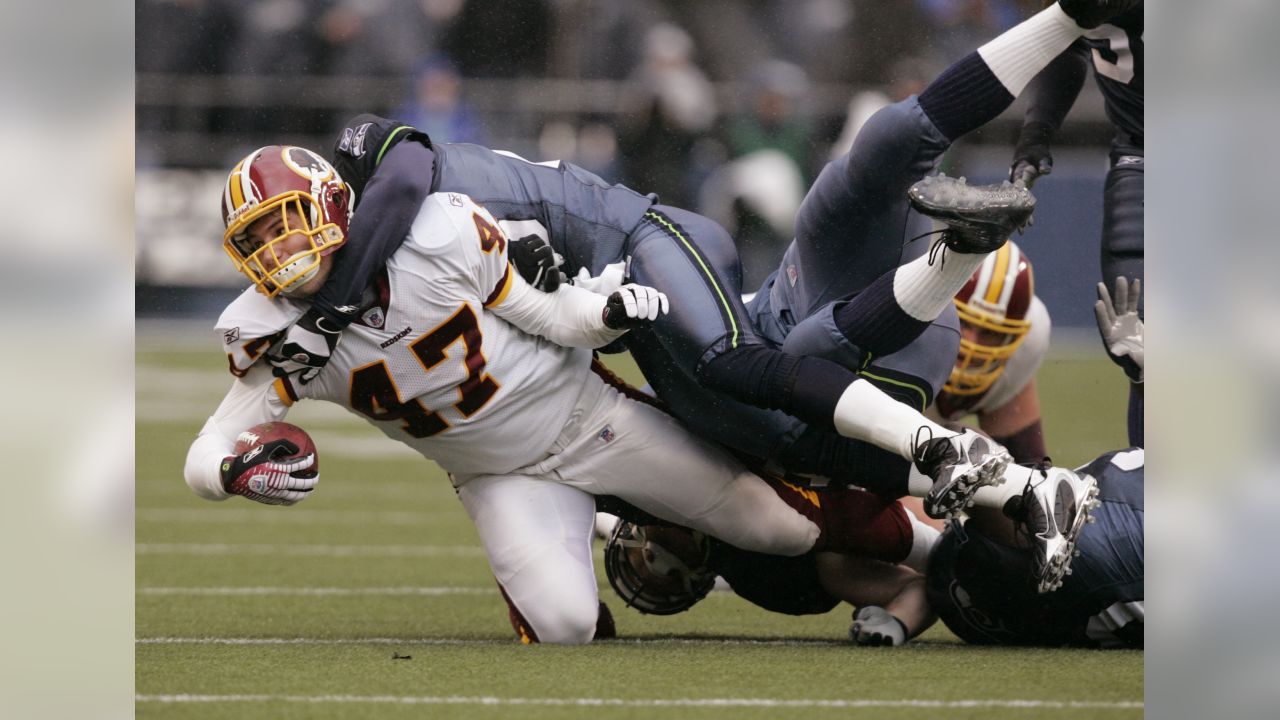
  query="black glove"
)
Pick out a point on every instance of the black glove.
point(307, 347)
point(632, 306)
point(269, 474)
point(1031, 157)
point(535, 260)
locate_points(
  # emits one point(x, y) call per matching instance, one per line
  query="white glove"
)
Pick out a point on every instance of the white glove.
point(609, 281)
point(873, 625)
point(632, 306)
point(1121, 327)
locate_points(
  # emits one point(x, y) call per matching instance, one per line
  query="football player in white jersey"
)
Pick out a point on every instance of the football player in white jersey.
point(1004, 331)
point(458, 357)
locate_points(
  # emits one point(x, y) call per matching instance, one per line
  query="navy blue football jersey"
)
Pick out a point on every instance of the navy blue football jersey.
point(1116, 51)
point(586, 219)
point(984, 593)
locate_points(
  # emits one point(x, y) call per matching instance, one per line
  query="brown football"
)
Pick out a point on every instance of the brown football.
point(269, 431)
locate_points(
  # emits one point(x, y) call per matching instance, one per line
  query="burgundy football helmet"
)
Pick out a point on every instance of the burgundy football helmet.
point(278, 179)
point(994, 302)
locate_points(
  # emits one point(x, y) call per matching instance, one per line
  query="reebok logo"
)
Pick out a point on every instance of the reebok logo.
point(249, 456)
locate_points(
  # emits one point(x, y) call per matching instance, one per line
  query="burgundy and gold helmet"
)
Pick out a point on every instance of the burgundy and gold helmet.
point(275, 179)
point(994, 303)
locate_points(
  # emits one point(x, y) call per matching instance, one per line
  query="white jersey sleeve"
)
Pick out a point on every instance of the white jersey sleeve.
point(1024, 363)
point(570, 316)
point(257, 397)
point(251, 324)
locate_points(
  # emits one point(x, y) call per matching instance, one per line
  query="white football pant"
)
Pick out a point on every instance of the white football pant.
point(536, 522)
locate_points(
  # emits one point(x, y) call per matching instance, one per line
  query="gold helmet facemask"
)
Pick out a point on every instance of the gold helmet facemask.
point(295, 192)
point(271, 268)
point(1002, 287)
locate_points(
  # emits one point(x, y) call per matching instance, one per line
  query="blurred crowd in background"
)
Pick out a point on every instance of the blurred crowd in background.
point(727, 107)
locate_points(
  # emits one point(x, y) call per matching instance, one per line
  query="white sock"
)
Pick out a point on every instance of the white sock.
point(864, 412)
point(923, 538)
point(923, 291)
point(1021, 52)
point(1016, 478)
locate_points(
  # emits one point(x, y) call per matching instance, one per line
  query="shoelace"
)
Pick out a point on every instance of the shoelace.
point(938, 250)
point(916, 443)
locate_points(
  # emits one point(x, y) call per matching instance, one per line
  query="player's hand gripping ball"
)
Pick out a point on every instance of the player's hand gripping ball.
point(275, 463)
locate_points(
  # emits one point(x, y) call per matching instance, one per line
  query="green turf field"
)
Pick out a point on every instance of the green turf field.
point(372, 599)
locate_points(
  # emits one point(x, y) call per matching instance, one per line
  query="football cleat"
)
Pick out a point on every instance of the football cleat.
point(874, 626)
point(959, 465)
point(1089, 14)
point(979, 218)
point(1056, 510)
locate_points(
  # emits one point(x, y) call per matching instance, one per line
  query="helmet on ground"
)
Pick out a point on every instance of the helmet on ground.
point(658, 569)
point(272, 181)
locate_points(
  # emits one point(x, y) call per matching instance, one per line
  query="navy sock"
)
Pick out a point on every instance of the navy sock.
point(1136, 411)
point(964, 97)
point(874, 321)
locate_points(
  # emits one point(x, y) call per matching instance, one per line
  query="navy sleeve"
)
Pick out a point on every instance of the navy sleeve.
point(388, 204)
point(364, 143)
point(1054, 90)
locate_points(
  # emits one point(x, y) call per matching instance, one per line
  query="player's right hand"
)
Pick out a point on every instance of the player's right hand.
point(632, 306)
point(536, 262)
point(1121, 327)
point(269, 474)
point(1032, 157)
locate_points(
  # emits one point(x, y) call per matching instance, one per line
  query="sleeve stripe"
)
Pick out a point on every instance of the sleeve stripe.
point(500, 292)
point(284, 389)
point(387, 143)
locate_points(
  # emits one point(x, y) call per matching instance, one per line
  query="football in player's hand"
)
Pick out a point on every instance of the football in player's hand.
point(268, 432)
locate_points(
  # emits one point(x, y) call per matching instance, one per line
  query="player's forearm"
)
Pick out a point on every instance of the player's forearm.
point(388, 207)
point(251, 400)
point(570, 316)
point(1052, 93)
point(204, 459)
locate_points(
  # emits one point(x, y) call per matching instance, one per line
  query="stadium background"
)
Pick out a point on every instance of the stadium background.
point(663, 96)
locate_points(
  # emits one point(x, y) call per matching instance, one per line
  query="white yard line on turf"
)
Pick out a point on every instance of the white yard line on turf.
point(650, 702)
point(316, 591)
point(407, 642)
point(184, 516)
point(309, 550)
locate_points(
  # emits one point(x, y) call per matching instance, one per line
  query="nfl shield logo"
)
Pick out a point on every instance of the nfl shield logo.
point(374, 317)
point(792, 275)
point(606, 435)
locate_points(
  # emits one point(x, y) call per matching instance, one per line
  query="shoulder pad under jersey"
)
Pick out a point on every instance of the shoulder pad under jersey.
point(250, 325)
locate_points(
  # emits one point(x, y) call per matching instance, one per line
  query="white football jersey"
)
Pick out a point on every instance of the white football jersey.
point(428, 362)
